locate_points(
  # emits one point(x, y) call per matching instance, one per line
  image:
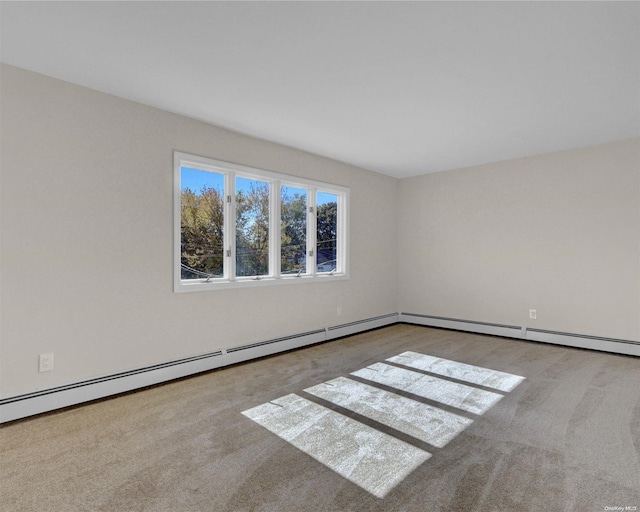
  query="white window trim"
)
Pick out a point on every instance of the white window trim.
point(230, 171)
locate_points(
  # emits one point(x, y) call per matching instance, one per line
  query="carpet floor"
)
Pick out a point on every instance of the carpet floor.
point(404, 418)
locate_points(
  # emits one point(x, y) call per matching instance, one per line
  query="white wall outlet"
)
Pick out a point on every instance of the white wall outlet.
point(339, 311)
point(533, 314)
point(45, 362)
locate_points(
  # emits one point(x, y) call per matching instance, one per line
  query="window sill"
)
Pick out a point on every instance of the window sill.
point(250, 282)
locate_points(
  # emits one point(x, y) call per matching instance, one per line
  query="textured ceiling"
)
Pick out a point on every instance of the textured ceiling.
point(401, 88)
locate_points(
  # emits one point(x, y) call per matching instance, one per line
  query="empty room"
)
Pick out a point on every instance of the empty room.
point(319, 256)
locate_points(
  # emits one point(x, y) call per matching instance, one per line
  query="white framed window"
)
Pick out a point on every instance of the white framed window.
point(240, 226)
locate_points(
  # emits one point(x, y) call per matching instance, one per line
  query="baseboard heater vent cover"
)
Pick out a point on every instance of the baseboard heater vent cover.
point(50, 399)
point(618, 346)
point(270, 347)
point(626, 347)
point(38, 402)
point(510, 331)
point(338, 331)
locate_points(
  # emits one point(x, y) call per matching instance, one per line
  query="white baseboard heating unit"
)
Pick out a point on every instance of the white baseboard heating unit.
point(64, 396)
point(29, 404)
point(626, 347)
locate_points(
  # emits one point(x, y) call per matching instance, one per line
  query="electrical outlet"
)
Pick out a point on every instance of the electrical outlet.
point(533, 314)
point(339, 311)
point(45, 362)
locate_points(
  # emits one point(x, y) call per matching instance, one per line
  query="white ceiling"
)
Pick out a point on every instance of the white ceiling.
point(402, 88)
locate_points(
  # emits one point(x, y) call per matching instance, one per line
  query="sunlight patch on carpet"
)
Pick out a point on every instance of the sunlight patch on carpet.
point(422, 421)
point(371, 459)
point(375, 461)
point(461, 396)
point(469, 373)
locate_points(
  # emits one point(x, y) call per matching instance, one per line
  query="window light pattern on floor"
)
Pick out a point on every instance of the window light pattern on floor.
point(429, 424)
point(467, 398)
point(369, 458)
point(472, 374)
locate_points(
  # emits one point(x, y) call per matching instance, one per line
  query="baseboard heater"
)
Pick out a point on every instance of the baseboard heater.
point(618, 346)
point(340, 331)
point(38, 402)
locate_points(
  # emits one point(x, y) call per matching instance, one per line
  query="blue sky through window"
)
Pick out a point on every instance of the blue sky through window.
point(324, 198)
point(195, 180)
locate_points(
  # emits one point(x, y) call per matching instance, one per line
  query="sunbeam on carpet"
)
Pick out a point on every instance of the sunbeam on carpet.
point(369, 458)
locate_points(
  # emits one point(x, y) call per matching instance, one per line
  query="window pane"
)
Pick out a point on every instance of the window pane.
point(252, 227)
point(327, 243)
point(293, 231)
point(201, 223)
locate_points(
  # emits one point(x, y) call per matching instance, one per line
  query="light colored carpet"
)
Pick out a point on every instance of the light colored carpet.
point(566, 438)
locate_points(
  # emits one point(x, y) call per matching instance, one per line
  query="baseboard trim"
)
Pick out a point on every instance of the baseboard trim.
point(22, 406)
point(625, 347)
point(510, 331)
point(617, 346)
point(339, 331)
point(270, 347)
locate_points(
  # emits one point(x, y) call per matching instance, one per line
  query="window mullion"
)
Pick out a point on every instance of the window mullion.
point(230, 226)
point(274, 229)
point(312, 231)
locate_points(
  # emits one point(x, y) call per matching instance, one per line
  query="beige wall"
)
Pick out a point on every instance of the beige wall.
point(86, 240)
point(87, 233)
point(559, 233)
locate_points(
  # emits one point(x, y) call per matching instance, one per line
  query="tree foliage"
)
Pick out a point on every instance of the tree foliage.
point(327, 231)
point(293, 232)
point(252, 230)
point(202, 221)
point(202, 235)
